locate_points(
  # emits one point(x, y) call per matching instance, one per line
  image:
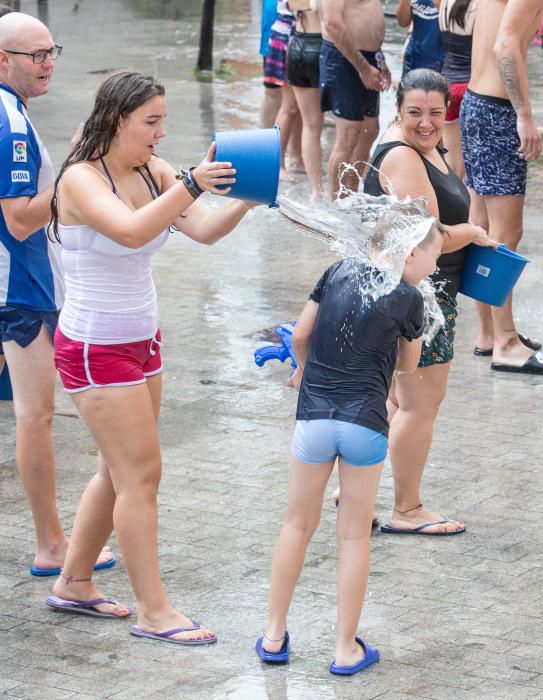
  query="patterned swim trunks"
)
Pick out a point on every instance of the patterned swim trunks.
point(490, 145)
point(275, 61)
point(441, 349)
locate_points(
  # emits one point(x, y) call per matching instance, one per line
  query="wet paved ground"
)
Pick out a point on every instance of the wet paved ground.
point(457, 618)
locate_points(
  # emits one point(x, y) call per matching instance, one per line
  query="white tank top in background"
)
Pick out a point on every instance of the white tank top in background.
point(110, 293)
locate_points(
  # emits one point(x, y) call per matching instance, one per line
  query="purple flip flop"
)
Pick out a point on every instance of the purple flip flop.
point(87, 607)
point(137, 631)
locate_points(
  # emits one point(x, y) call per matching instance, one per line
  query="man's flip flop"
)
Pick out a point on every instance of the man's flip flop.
point(37, 571)
point(137, 631)
point(528, 342)
point(87, 607)
point(277, 657)
point(420, 529)
point(371, 656)
point(533, 365)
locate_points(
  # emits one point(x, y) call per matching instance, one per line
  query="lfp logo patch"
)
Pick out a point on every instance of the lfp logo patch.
point(19, 151)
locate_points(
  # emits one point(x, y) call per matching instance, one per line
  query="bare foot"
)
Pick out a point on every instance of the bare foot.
point(273, 643)
point(484, 342)
point(170, 619)
point(316, 197)
point(419, 516)
point(349, 656)
point(56, 560)
point(284, 175)
point(515, 354)
point(82, 591)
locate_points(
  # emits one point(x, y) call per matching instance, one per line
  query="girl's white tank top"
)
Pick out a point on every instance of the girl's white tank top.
point(110, 292)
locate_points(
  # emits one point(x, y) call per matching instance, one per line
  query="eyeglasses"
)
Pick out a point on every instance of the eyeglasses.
point(41, 55)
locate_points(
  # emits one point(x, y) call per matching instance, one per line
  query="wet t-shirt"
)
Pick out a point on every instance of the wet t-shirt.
point(354, 346)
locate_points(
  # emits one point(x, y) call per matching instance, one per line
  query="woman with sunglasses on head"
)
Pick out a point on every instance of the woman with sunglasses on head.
point(113, 205)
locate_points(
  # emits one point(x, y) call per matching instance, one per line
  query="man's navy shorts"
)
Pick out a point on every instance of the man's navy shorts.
point(490, 145)
point(342, 91)
point(23, 325)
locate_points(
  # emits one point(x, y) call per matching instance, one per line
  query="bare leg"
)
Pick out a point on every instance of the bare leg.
point(305, 493)
point(419, 396)
point(368, 134)
point(359, 488)
point(32, 374)
point(294, 148)
point(505, 226)
point(453, 143)
point(122, 420)
point(308, 100)
point(479, 216)
point(347, 136)
point(269, 107)
point(285, 120)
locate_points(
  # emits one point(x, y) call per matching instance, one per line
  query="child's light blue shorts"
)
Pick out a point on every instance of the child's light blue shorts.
point(321, 441)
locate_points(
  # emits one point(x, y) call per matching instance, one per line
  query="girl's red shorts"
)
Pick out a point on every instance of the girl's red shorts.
point(85, 366)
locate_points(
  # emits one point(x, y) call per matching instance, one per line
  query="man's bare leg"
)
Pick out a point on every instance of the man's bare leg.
point(478, 215)
point(347, 137)
point(368, 134)
point(505, 226)
point(32, 374)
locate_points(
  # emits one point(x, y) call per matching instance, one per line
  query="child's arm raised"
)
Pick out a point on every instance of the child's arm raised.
point(408, 355)
point(301, 339)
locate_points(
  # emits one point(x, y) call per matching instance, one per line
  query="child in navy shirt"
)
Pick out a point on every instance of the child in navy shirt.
point(348, 342)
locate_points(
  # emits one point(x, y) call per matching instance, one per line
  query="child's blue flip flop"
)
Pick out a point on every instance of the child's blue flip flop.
point(278, 657)
point(371, 656)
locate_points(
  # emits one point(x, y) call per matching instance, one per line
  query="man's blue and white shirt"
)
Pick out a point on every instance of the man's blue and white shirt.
point(30, 270)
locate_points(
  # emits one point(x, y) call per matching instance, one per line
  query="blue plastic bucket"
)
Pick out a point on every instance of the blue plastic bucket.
point(255, 154)
point(489, 274)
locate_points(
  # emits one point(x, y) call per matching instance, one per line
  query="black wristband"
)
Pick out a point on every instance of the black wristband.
point(193, 188)
point(196, 185)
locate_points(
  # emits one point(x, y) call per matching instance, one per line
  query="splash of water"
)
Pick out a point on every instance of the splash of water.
point(348, 227)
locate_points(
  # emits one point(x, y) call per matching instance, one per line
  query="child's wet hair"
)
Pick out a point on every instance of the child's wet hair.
point(401, 218)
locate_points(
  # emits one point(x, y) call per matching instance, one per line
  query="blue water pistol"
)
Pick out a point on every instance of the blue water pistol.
point(279, 352)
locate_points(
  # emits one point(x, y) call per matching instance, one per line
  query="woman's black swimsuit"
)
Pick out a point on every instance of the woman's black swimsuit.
point(453, 205)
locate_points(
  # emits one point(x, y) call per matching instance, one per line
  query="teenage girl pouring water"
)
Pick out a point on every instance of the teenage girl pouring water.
point(114, 201)
point(347, 347)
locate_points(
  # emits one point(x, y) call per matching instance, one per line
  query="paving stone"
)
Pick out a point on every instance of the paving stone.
point(456, 618)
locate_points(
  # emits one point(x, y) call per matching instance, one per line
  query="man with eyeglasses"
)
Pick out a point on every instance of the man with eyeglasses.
point(31, 284)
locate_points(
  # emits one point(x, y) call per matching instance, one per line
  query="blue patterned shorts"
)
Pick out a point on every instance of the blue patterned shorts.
point(490, 145)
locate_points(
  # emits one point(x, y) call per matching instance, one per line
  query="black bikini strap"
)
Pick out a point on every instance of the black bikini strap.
point(153, 187)
point(104, 166)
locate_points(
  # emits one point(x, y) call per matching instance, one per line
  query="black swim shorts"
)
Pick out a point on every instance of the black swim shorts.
point(342, 91)
point(490, 145)
point(303, 59)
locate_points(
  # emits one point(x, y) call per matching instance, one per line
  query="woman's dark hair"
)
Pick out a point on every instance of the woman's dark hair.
point(422, 79)
point(458, 13)
point(117, 97)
